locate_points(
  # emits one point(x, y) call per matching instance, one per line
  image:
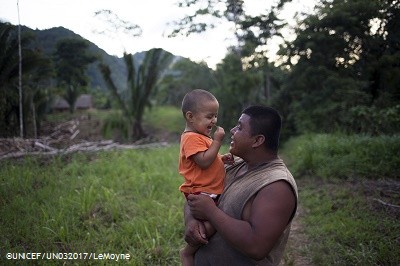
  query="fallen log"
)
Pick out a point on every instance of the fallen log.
point(81, 147)
point(386, 204)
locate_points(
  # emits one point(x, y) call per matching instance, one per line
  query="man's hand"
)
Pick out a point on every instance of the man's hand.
point(195, 232)
point(201, 206)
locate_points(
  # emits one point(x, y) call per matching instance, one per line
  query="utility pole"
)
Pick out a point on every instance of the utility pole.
point(21, 116)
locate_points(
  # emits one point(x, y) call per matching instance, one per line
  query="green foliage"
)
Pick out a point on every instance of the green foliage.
point(343, 63)
point(46, 41)
point(338, 214)
point(237, 88)
point(141, 85)
point(376, 121)
point(71, 60)
point(168, 119)
point(183, 76)
point(101, 99)
point(117, 202)
point(342, 219)
point(345, 156)
point(159, 120)
point(115, 127)
point(205, 15)
point(36, 71)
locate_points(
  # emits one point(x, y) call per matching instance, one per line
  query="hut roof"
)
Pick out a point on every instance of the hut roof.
point(84, 101)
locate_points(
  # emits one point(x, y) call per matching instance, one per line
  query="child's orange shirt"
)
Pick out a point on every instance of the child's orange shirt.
point(210, 180)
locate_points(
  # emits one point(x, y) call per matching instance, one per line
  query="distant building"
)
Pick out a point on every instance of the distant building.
point(83, 102)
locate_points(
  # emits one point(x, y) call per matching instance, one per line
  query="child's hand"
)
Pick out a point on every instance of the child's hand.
point(228, 159)
point(219, 134)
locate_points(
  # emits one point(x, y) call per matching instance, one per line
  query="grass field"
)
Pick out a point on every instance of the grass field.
point(117, 202)
point(127, 202)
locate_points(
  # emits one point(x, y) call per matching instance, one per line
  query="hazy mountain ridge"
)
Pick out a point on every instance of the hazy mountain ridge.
point(46, 40)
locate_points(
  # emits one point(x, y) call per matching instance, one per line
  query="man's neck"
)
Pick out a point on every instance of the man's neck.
point(259, 160)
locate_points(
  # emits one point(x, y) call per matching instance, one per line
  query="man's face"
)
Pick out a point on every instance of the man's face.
point(242, 140)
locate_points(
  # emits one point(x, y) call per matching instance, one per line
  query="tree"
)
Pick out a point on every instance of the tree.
point(347, 56)
point(71, 60)
point(38, 94)
point(9, 71)
point(21, 117)
point(237, 88)
point(249, 57)
point(205, 14)
point(184, 76)
point(141, 83)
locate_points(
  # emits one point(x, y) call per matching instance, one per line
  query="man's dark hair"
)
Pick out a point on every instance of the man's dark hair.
point(265, 121)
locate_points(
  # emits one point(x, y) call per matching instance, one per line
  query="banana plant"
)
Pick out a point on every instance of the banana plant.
point(142, 80)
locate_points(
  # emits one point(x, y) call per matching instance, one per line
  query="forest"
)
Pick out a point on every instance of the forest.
point(343, 65)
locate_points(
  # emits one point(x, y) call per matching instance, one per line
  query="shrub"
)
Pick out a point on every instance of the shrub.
point(345, 156)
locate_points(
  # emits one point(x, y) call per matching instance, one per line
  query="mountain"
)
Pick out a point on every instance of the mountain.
point(46, 40)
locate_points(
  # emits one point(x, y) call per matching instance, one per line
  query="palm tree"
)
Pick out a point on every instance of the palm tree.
point(140, 84)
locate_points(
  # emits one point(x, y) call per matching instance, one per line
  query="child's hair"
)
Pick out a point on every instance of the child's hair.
point(194, 98)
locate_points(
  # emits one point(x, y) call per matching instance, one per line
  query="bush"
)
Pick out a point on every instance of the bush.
point(115, 127)
point(344, 156)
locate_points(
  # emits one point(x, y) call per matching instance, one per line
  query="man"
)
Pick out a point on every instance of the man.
point(254, 213)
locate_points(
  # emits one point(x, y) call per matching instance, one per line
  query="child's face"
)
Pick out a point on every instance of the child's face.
point(205, 118)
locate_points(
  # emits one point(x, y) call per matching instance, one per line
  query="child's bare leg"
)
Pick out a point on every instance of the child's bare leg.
point(187, 255)
point(209, 229)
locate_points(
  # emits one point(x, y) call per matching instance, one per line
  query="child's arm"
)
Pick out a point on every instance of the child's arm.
point(204, 159)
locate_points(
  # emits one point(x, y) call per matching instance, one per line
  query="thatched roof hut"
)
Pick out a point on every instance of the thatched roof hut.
point(83, 102)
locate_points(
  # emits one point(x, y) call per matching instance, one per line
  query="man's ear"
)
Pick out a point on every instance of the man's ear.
point(189, 116)
point(258, 141)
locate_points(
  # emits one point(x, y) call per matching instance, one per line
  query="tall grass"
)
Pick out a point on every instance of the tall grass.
point(345, 156)
point(343, 222)
point(166, 118)
point(117, 202)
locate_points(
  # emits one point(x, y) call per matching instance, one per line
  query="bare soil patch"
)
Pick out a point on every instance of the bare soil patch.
point(298, 243)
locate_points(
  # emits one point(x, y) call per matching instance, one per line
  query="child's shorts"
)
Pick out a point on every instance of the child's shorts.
point(215, 197)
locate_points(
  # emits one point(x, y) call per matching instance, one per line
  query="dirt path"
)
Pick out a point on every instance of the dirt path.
point(296, 250)
point(381, 195)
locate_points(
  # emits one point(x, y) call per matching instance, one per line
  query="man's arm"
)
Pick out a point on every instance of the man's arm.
point(264, 219)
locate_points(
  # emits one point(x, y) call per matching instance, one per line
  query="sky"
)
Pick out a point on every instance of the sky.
point(153, 16)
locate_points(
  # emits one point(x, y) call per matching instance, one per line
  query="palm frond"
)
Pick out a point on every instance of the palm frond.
point(106, 72)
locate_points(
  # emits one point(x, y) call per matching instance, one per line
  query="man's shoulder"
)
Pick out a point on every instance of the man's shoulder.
point(277, 167)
